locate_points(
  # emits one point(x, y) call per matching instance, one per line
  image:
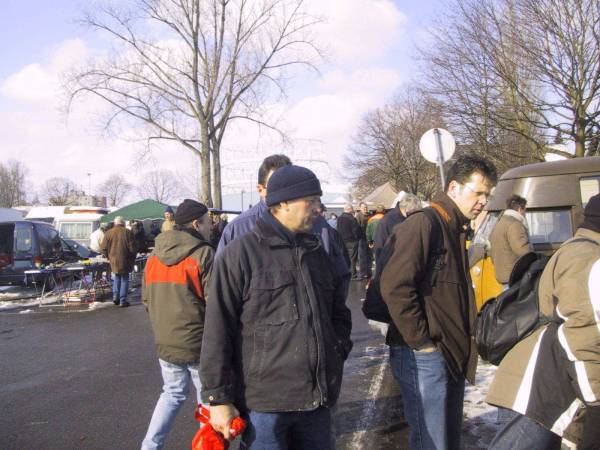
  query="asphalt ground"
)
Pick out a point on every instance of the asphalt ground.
point(79, 378)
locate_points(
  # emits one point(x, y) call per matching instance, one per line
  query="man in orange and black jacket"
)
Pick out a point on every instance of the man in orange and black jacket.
point(174, 292)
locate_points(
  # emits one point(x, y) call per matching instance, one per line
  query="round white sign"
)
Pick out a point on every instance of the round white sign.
point(428, 145)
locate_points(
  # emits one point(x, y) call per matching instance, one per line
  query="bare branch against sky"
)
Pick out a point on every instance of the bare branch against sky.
point(183, 70)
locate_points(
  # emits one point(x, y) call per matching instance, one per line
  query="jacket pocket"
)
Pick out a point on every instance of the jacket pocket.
point(274, 297)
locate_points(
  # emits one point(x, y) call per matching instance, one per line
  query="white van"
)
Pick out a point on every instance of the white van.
point(78, 222)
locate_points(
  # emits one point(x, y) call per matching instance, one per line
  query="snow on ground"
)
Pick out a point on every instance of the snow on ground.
point(479, 419)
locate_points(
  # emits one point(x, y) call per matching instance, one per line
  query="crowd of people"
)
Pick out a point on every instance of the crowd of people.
point(258, 323)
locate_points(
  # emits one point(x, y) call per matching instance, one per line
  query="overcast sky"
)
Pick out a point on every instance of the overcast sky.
point(370, 56)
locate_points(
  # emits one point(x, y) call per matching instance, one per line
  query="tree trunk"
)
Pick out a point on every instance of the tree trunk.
point(579, 138)
point(216, 167)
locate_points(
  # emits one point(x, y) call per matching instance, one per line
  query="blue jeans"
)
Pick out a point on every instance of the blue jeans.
point(433, 399)
point(522, 433)
point(300, 430)
point(176, 387)
point(120, 286)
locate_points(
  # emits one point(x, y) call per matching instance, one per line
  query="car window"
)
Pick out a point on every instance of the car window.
point(588, 187)
point(75, 230)
point(7, 233)
point(482, 235)
point(24, 240)
point(549, 226)
point(50, 245)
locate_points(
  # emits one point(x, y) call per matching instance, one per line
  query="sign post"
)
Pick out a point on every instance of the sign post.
point(437, 146)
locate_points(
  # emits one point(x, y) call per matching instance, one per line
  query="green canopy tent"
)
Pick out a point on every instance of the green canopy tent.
point(145, 209)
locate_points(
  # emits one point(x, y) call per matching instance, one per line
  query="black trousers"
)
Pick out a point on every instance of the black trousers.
point(352, 247)
point(365, 258)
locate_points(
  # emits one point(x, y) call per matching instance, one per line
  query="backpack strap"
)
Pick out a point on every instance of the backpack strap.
point(437, 253)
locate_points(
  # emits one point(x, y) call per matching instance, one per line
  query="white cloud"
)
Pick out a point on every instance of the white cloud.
point(356, 31)
point(320, 120)
point(40, 82)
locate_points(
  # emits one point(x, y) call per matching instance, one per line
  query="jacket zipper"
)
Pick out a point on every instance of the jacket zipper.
point(299, 258)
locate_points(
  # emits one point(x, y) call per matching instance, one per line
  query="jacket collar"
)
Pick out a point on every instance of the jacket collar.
point(275, 234)
point(449, 212)
point(515, 215)
point(194, 233)
point(588, 234)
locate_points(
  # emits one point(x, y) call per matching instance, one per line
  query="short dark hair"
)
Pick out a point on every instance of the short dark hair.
point(272, 162)
point(515, 202)
point(468, 164)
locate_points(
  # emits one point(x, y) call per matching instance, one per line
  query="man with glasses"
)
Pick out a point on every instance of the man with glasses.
point(427, 288)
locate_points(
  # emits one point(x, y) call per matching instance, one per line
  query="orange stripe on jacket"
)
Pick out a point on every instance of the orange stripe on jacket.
point(186, 272)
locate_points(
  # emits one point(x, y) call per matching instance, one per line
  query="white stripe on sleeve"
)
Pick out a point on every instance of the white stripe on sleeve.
point(522, 398)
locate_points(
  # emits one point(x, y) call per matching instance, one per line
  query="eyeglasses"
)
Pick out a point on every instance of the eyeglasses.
point(485, 195)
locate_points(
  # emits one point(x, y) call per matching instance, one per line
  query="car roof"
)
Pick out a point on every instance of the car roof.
point(548, 168)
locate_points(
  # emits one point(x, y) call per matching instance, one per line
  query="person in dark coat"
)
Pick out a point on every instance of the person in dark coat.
point(350, 231)
point(365, 256)
point(277, 329)
point(393, 217)
point(428, 291)
point(118, 246)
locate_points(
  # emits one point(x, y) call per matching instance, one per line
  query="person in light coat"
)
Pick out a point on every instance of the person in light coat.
point(549, 377)
point(509, 239)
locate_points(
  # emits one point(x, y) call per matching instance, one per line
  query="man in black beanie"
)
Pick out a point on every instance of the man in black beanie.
point(277, 326)
point(174, 292)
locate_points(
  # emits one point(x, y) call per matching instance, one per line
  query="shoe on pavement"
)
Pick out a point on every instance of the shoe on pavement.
point(124, 304)
point(116, 301)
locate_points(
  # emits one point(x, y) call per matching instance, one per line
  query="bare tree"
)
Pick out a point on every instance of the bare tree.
point(159, 185)
point(480, 107)
point(386, 147)
point(58, 191)
point(186, 68)
point(115, 188)
point(12, 183)
point(519, 70)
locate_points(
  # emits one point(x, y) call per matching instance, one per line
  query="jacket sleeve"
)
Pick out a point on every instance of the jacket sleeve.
point(342, 317)
point(130, 241)
point(370, 228)
point(226, 237)
point(578, 292)
point(220, 323)
point(357, 230)
point(518, 238)
point(205, 256)
point(104, 245)
point(401, 277)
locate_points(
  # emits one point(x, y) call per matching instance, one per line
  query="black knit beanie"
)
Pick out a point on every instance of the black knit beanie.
point(189, 210)
point(591, 214)
point(291, 182)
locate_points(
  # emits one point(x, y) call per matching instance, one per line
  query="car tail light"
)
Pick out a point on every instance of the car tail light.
point(37, 261)
point(5, 260)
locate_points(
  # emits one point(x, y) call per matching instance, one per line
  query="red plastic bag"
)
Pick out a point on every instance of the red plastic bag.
point(207, 438)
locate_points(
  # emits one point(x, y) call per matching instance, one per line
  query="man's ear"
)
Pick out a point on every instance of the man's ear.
point(262, 190)
point(453, 189)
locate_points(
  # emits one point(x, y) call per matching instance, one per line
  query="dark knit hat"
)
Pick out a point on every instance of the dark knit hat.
point(591, 214)
point(291, 182)
point(189, 210)
point(168, 209)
